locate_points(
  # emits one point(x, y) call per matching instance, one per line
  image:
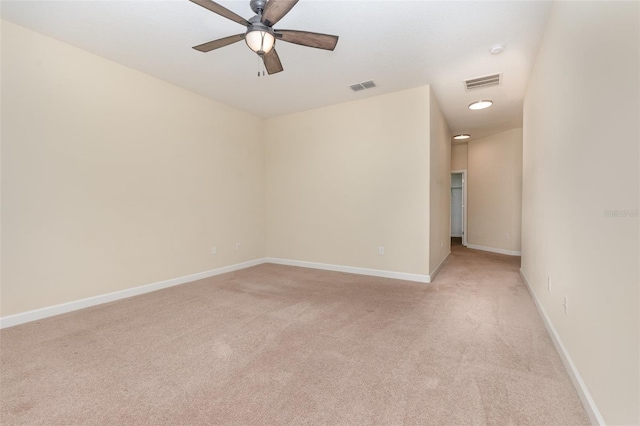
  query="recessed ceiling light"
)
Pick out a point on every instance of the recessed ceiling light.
point(497, 49)
point(480, 104)
point(462, 136)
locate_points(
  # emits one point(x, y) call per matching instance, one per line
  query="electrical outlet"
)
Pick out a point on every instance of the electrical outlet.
point(507, 236)
point(549, 284)
point(566, 305)
point(381, 250)
point(237, 246)
point(214, 250)
point(441, 243)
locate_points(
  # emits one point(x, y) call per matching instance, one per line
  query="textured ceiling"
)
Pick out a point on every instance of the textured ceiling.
point(399, 44)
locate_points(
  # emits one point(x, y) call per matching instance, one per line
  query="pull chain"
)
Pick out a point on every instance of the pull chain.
point(260, 61)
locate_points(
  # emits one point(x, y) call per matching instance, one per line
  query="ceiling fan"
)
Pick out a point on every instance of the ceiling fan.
point(260, 35)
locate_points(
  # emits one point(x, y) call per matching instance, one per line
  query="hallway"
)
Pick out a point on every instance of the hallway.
point(487, 325)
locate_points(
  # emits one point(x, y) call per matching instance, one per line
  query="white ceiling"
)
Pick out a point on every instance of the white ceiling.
point(399, 44)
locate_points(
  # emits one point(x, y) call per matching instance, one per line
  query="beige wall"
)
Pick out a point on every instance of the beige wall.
point(459, 156)
point(581, 160)
point(343, 180)
point(440, 187)
point(112, 179)
point(494, 185)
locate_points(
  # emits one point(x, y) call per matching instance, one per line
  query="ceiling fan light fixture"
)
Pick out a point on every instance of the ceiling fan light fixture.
point(259, 41)
point(260, 36)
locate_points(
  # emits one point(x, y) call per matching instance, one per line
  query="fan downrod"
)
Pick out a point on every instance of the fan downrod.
point(258, 6)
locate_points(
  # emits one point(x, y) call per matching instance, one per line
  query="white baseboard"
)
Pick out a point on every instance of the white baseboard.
point(11, 320)
point(495, 250)
point(433, 274)
point(352, 270)
point(587, 401)
point(37, 314)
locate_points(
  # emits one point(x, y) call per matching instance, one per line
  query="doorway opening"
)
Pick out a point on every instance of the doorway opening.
point(459, 207)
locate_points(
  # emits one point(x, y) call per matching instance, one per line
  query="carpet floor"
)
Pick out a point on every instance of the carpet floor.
point(284, 345)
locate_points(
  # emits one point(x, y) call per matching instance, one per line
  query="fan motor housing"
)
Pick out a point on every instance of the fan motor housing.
point(256, 25)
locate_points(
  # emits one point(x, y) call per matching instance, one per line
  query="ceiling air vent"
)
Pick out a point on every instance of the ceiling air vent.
point(485, 81)
point(362, 86)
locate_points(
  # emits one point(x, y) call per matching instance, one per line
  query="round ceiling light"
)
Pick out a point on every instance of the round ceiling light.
point(480, 105)
point(259, 40)
point(462, 137)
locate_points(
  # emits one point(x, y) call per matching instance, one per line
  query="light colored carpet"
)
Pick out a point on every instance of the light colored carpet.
point(284, 345)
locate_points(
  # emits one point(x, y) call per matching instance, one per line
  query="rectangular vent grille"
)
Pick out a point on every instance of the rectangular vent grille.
point(362, 86)
point(485, 81)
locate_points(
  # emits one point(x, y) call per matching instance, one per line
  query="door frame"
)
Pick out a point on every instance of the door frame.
point(464, 205)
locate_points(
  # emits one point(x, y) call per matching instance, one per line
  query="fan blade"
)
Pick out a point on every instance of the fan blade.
point(222, 11)
point(272, 62)
point(275, 10)
point(306, 38)
point(221, 42)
